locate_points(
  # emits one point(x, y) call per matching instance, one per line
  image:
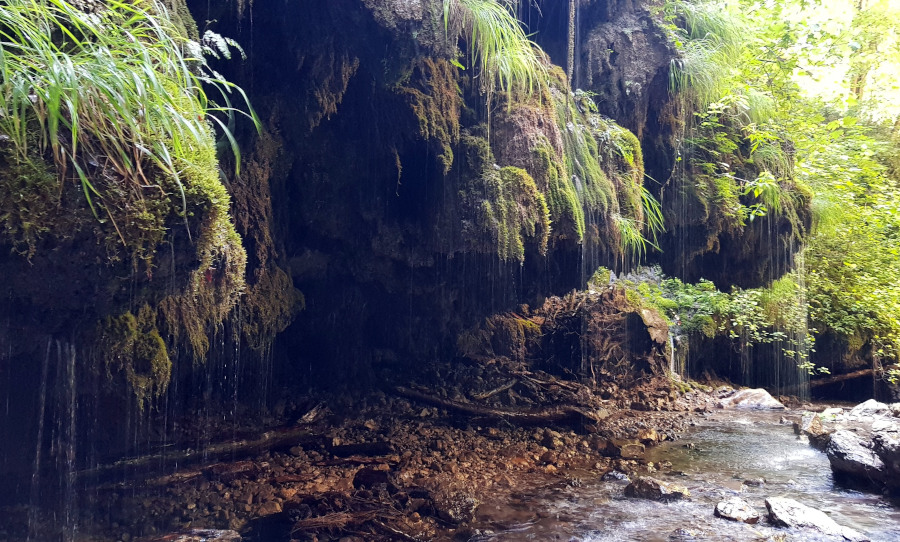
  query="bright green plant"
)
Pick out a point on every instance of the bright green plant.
point(112, 89)
point(507, 60)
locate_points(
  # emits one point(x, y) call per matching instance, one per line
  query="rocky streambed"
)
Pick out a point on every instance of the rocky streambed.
point(652, 465)
point(734, 475)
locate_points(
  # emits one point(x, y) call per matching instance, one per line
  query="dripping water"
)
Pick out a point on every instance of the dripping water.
point(68, 437)
point(35, 494)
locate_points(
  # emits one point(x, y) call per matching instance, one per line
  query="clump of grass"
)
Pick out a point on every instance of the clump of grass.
point(507, 60)
point(711, 38)
point(113, 90)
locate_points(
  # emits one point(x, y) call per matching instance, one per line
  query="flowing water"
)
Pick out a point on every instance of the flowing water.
point(726, 454)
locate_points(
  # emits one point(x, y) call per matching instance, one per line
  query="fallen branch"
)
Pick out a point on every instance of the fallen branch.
point(557, 415)
point(839, 378)
point(396, 534)
point(493, 392)
point(376, 448)
point(277, 439)
point(336, 520)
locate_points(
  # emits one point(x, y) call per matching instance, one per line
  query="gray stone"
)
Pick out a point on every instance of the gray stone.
point(870, 408)
point(887, 445)
point(736, 509)
point(784, 512)
point(811, 425)
point(895, 409)
point(615, 476)
point(848, 455)
point(757, 398)
point(455, 508)
point(645, 487)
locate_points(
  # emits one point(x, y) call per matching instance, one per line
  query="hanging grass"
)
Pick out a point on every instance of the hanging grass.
point(112, 90)
point(507, 60)
point(711, 39)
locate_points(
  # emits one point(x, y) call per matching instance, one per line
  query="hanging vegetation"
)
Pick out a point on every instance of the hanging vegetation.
point(507, 60)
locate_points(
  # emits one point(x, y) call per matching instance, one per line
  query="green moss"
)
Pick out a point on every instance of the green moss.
point(431, 92)
point(29, 192)
point(269, 307)
point(500, 335)
point(132, 347)
point(594, 189)
point(563, 202)
point(217, 282)
point(181, 18)
point(501, 210)
point(601, 278)
point(514, 212)
point(683, 387)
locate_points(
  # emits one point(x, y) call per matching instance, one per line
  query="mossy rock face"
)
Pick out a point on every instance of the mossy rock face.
point(713, 229)
point(431, 92)
point(163, 240)
point(133, 349)
point(269, 306)
point(29, 192)
point(501, 210)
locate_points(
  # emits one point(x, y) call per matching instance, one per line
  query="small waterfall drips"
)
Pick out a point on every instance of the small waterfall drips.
point(35, 494)
point(68, 437)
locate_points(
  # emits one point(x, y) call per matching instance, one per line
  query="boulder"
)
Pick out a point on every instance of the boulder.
point(849, 456)
point(757, 398)
point(811, 425)
point(887, 445)
point(626, 449)
point(652, 489)
point(455, 507)
point(784, 512)
point(736, 509)
point(870, 408)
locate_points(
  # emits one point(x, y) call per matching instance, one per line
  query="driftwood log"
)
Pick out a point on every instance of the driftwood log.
point(563, 414)
point(274, 440)
point(839, 378)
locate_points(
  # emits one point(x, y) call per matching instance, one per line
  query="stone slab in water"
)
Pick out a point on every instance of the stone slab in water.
point(736, 509)
point(848, 455)
point(196, 535)
point(652, 489)
point(784, 512)
point(757, 398)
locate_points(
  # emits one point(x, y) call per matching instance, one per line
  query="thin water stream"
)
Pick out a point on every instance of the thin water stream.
point(748, 454)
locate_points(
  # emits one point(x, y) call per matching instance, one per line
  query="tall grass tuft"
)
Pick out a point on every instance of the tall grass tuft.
point(117, 89)
point(712, 41)
point(507, 60)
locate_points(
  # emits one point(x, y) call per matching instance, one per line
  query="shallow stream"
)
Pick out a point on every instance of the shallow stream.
point(749, 454)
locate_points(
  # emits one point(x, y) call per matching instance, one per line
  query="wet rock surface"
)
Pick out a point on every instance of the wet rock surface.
point(785, 512)
point(849, 456)
point(656, 490)
point(753, 399)
point(736, 509)
point(862, 443)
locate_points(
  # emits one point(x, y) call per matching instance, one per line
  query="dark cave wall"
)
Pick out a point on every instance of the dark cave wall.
point(366, 215)
point(359, 191)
